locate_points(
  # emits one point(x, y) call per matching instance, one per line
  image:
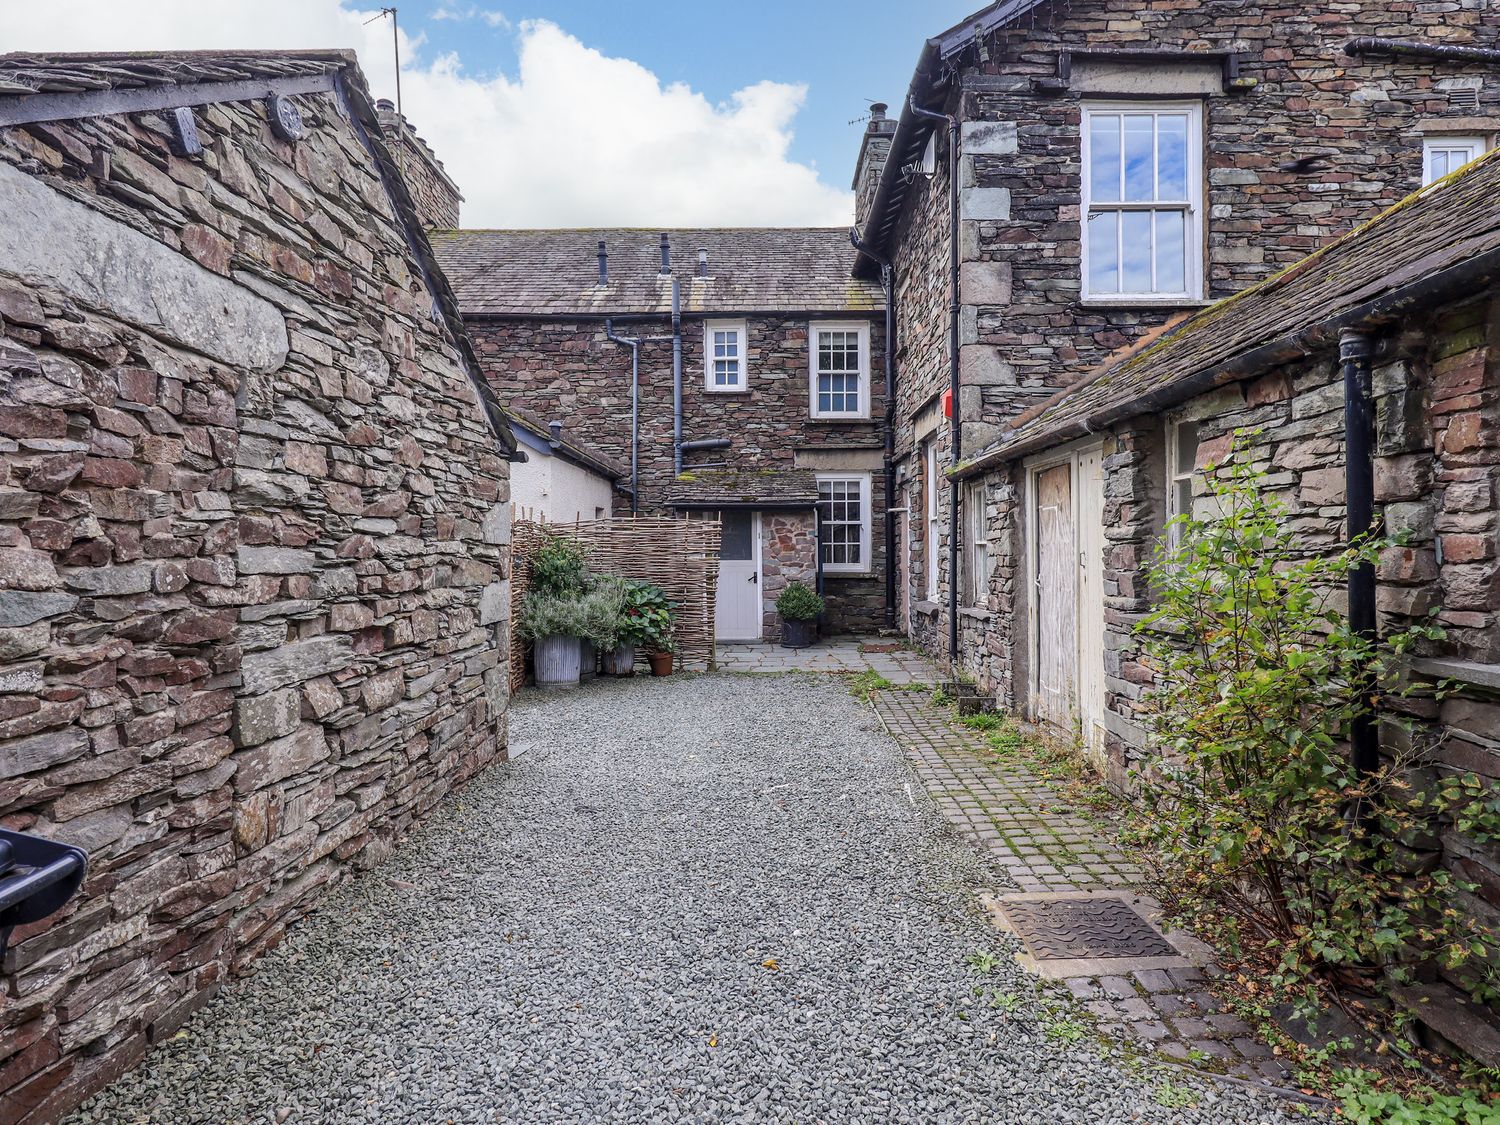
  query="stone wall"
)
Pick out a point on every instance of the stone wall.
point(1024, 329)
point(433, 191)
point(570, 372)
point(1437, 396)
point(789, 553)
point(252, 561)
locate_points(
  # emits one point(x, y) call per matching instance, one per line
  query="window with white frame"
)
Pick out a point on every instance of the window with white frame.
point(724, 355)
point(1442, 155)
point(844, 522)
point(976, 546)
point(840, 379)
point(1143, 201)
point(1182, 458)
point(930, 546)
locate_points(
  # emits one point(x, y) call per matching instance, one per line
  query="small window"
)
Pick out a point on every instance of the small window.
point(1182, 458)
point(724, 356)
point(844, 523)
point(976, 546)
point(840, 364)
point(1442, 155)
point(930, 547)
point(1142, 201)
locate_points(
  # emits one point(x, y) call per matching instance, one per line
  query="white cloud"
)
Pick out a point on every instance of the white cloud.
point(471, 12)
point(573, 138)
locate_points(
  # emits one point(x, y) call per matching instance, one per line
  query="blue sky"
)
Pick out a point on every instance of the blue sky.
point(579, 112)
point(846, 52)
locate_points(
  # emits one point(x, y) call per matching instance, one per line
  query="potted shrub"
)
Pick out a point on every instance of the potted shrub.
point(641, 605)
point(800, 609)
point(648, 622)
point(661, 655)
point(553, 623)
point(603, 617)
point(552, 612)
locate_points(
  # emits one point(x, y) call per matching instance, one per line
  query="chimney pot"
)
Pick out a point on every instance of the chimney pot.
point(385, 104)
point(702, 261)
point(603, 264)
point(666, 254)
point(877, 111)
point(556, 428)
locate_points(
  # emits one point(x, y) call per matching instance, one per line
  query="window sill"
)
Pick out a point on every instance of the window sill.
point(831, 574)
point(863, 419)
point(1470, 672)
point(726, 390)
point(930, 609)
point(974, 613)
point(1145, 303)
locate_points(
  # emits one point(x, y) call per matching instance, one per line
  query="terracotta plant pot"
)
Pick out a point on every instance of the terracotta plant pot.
point(798, 634)
point(661, 663)
point(620, 662)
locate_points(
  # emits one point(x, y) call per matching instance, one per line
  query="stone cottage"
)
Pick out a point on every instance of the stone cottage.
point(1065, 179)
point(1411, 301)
point(762, 400)
point(253, 527)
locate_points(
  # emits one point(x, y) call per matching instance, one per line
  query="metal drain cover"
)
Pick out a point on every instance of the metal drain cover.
point(1083, 928)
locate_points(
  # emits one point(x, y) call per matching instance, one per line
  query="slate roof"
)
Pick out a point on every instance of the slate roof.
point(1361, 279)
point(63, 86)
point(28, 72)
point(525, 273)
point(770, 488)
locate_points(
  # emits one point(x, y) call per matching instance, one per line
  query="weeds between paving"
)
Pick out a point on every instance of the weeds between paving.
point(1365, 1067)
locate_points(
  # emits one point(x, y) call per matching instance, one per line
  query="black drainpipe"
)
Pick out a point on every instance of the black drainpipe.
point(955, 429)
point(887, 280)
point(1359, 485)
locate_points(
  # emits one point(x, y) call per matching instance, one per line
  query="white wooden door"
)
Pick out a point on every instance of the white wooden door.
point(1090, 530)
point(737, 615)
point(1056, 595)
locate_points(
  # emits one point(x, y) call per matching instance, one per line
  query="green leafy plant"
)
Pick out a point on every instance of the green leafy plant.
point(1068, 1031)
point(559, 567)
point(550, 615)
point(984, 963)
point(984, 721)
point(1365, 1103)
point(1175, 1097)
point(1252, 800)
point(798, 602)
point(646, 617)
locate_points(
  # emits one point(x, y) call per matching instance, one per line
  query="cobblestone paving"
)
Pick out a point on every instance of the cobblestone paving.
point(1031, 832)
point(896, 663)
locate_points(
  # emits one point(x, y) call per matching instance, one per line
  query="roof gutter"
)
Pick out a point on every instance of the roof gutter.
point(1457, 281)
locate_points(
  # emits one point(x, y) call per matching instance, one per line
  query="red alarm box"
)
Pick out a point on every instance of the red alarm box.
point(948, 403)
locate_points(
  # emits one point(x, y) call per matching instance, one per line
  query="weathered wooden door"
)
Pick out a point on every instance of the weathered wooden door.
point(1090, 533)
point(1056, 595)
point(737, 615)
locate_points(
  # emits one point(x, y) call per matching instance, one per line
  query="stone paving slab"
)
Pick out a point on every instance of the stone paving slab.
point(836, 655)
point(1051, 850)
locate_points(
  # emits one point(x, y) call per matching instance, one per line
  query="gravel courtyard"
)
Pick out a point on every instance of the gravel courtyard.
point(699, 899)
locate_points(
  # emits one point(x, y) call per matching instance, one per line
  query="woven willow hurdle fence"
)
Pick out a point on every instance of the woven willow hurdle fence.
point(680, 556)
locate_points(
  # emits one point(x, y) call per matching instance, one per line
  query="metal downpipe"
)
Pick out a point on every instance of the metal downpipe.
point(1359, 484)
point(676, 378)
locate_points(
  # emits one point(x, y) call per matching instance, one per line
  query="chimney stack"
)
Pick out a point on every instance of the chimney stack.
point(874, 151)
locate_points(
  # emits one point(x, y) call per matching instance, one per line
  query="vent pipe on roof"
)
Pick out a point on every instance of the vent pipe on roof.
point(702, 262)
point(666, 254)
point(603, 265)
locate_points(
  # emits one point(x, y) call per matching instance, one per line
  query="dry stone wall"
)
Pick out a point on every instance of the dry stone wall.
point(253, 527)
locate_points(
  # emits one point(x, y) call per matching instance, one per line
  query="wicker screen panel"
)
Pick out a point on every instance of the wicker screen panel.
point(679, 555)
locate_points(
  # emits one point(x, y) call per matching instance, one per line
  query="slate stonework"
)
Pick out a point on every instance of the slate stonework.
point(243, 642)
point(1024, 330)
point(569, 371)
